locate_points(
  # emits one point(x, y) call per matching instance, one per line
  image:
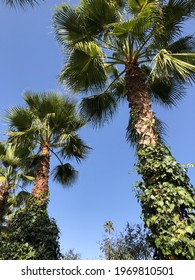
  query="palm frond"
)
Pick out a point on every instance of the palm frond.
point(73, 147)
point(174, 13)
point(19, 118)
point(45, 103)
point(65, 174)
point(9, 157)
point(185, 44)
point(99, 109)
point(142, 7)
point(69, 25)
point(21, 3)
point(136, 26)
point(85, 69)
point(2, 148)
point(179, 65)
point(18, 199)
point(166, 92)
point(99, 14)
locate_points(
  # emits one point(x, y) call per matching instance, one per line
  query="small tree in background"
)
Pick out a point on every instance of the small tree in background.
point(71, 255)
point(127, 245)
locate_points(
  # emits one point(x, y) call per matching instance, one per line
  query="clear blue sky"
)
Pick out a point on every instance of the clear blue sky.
point(30, 59)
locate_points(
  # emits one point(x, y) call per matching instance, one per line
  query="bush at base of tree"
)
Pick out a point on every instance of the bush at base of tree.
point(31, 235)
point(168, 203)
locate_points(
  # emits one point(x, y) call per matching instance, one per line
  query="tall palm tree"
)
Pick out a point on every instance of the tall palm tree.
point(48, 126)
point(11, 174)
point(131, 50)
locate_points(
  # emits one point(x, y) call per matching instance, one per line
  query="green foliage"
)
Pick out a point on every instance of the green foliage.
point(130, 244)
point(21, 3)
point(31, 235)
point(48, 118)
point(71, 255)
point(168, 203)
point(148, 33)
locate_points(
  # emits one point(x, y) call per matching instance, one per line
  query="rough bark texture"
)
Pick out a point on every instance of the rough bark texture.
point(40, 189)
point(4, 193)
point(139, 102)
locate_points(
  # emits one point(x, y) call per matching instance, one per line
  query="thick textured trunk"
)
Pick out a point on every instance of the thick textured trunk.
point(40, 189)
point(139, 102)
point(166, 195)
point(4, 193)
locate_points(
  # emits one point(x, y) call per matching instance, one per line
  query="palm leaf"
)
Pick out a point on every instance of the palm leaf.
point(73, 147)
point(136, 5)
point(2, 148)
point(69, 25)
point(18, 199)
point(21, 3)
point(167, 93)
point(99, 108)
point(65, 174)
point(182, 65)
point(99, 14)
point(185, 44)
point(19, 118)
point(45, 103)
point(137, 26)
point(174, 13)
point(85, 69)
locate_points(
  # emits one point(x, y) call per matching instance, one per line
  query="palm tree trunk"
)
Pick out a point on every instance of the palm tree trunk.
point(40, 189)
point(166, 196)
point(139, 102)
point(4, 193)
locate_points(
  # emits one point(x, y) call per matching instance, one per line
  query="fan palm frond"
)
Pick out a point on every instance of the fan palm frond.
point(99, 108)
point(65, 174)
point(74, 147)
point(19, 118)
point(21, 3)
point(184, 44)
point(140, 24)
point(182, 65)
point(174, 13)
point(85, 68)
point(99, 14)
point(69, 26)
point(167, 93)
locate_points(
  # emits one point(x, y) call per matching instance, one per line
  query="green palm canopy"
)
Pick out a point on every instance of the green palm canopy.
point(103, 39)
point(48, 126)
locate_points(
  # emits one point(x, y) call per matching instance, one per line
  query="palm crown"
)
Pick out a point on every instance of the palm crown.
point(100, 35)
point(48, 125)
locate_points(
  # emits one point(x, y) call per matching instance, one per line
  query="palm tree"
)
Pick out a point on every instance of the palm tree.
point(108, 227)
point(48, 126)
point(11, 174)
point(143, 38)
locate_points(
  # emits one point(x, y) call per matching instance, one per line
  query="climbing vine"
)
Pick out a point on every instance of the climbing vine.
point(168, 203)
point(31, 235)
